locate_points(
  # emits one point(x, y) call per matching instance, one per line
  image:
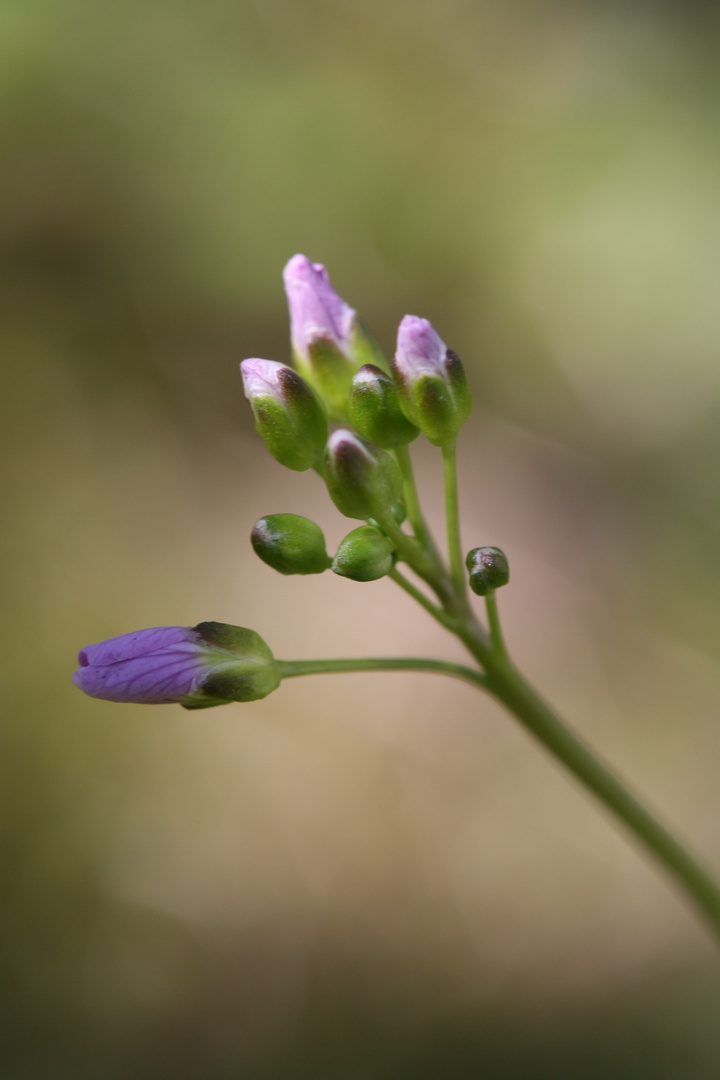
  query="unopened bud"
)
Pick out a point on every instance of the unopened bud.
point(288, 416)
point(375, 410)
point(363, 480)
point(431, 382)
point(488, 569)
point(195, 666)
point(365, 554)
point(290, 544)
point(322, 332)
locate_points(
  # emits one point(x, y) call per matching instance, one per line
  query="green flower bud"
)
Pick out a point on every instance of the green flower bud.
point(290, 544)
point(488, 569)
point(363, 480)
point(375, 410)
point(365, 554)
point(288, 416)
point(431, 382)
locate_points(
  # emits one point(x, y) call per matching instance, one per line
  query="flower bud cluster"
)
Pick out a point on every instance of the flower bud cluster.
point(341, 375)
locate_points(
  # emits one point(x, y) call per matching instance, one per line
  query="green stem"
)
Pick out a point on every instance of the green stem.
point(496, 636)
point(290, 668)
point(452, 517)
point(509, 687)
point(421, 560)
point(432, 609)
point(412, 503)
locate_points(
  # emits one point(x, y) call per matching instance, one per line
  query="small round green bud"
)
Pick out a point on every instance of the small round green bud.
point(365, 554)
point(290, 544)
point(375, 410)
point(488, 568)
point(289, 417)
point(363, 480)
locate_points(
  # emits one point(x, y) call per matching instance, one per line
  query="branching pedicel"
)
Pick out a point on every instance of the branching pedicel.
point(341, 375)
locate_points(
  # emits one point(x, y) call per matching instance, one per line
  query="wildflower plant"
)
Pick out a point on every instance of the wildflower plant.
point(349, 414)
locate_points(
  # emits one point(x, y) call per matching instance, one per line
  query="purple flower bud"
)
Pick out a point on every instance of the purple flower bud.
point(208, 664)
point(329, 342)
point(431, 382)
point(288, 416)
point(316, 310)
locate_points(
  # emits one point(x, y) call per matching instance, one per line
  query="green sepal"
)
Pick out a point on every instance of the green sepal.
point(375, 410)
point(364, 346)
point(363, 480)
point(295, 428)
point(241, 666)
point(437, 402)
point(330, 374)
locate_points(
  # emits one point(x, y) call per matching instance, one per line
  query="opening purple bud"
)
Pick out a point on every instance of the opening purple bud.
point(289, 417)
point(316, 310)
point(328, 343)
point(198, 666)
point(431, 381)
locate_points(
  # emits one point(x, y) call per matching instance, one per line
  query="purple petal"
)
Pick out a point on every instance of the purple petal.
point(148, 666)
point(420, 349)
point(137, 643)
point(316, 310)
point(261, 377)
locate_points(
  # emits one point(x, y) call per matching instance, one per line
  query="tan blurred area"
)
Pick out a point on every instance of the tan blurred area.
point(363, 876)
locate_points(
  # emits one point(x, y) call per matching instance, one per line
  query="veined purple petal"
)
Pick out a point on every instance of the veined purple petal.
point(137, 643)
point(420, 349)
point(152, 666)
point(316, 310)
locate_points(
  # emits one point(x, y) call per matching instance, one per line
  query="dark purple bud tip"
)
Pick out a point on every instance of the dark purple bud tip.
point(488, 570)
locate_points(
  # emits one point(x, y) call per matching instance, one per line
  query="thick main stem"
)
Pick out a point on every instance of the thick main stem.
point(509, 687)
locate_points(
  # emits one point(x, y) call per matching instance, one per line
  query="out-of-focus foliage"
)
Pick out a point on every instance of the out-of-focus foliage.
point(371, 877)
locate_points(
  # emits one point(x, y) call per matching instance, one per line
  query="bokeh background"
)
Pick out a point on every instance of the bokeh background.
point(361, 876)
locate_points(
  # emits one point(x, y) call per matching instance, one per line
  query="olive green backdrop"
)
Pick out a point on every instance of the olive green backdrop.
point(371, 877)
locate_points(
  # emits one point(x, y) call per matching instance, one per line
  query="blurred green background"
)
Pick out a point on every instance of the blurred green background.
point(374, 877)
